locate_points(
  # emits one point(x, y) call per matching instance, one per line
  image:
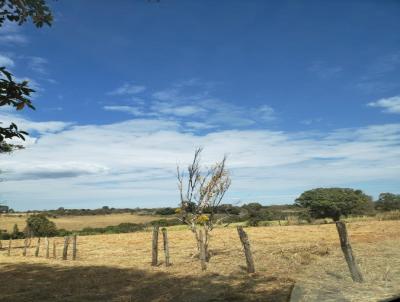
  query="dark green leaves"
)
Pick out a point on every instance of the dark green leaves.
point(20, 11)
point(335, 202)
point(17, 95)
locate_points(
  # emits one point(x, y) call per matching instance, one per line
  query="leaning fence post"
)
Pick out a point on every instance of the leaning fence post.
point(54, 249)
point(65, 250)
point(46, 240)
point(37, 248)
point(348, 252)
point(247, 252)
point(9, 247)
point(202, 251)
point(166, 246)
point(25, 247)
point(74, 247)
point(154, 252)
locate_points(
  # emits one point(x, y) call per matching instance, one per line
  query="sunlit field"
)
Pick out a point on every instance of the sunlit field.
point(305, 260)
point(72, 223)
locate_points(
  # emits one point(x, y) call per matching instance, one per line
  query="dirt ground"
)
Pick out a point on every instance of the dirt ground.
point(293, 263)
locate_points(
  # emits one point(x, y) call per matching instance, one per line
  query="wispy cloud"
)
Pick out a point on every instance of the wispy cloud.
point(127, 109)
point(10, 34)
point(140, 157)
point(323, 70)
point(38, 64)
point(378, 76)
point(128, 89)
point(6, 61)
point(389, 105)
point(191, 100)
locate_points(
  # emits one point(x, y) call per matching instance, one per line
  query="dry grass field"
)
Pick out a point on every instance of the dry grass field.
point(293, 263)
point(72, 223)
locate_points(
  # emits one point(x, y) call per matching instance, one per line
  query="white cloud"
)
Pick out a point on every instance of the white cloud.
point(7, 116)
point(191, 100)
point(323, 70)
point(128, 89)
point(133, 162)
point(389, 105)
point(6, 61)
point(9, 34)
point(127, 109)
point(177, 110)
point(37, 64)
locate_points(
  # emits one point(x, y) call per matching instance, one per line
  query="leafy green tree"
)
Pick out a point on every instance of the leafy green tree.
point(39, 225)
point(16, 234)
point(335, 202)
point(13, 93)
point(388, 202)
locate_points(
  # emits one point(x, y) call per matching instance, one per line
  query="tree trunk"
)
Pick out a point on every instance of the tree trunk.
point(37, 248)
point(25, 247)
point(247, 252)
point(47, 247)
point(166, 246)
point(65, 250)
point(54, 249)
point(202, 251)
point(9, 247)
point(154, 250)
point(74, 250)
point(348, 252)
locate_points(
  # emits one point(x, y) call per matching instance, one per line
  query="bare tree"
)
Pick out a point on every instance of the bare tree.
point(202, 190)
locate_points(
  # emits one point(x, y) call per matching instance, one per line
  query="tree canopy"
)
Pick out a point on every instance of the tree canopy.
point(388, 202)
point(39, 225)
point(334, 202)
point(13, 93)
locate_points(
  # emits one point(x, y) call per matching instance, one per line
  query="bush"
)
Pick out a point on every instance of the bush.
point(166, 222)
point(253, 221)
point(388, 202)
point(39, 225)
point(165, 211)
point(16, 234)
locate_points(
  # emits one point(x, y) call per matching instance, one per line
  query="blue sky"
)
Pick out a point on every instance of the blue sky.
point(299, 95)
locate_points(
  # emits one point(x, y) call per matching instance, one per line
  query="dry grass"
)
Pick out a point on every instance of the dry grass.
point(117, 267)
point(79, 222)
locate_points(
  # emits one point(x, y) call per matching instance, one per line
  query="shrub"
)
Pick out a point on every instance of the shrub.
point(16, 234)
point(388, 202)
point(39, 225)
point(166, 222)
point(165, 211)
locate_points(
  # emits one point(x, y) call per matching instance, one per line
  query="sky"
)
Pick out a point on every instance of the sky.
point(298, 95)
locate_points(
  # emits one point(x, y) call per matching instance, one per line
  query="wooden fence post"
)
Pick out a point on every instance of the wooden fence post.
point(202, 251)
point(166, 246)
point(247, 252)
point(154, 251)
point(54, 249)
point(348, 252)
point(65, 250)
point(37, 248)
point(74, 247)
point(9, 247)
point(25, 247)
point(46, 240)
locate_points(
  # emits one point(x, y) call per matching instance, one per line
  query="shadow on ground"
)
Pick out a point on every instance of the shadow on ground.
point(36, 282)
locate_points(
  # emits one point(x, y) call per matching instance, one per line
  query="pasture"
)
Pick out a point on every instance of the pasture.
point(72, 223)
point(298, 263)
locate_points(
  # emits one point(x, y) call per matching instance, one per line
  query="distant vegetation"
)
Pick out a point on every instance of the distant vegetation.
point(314, 204)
